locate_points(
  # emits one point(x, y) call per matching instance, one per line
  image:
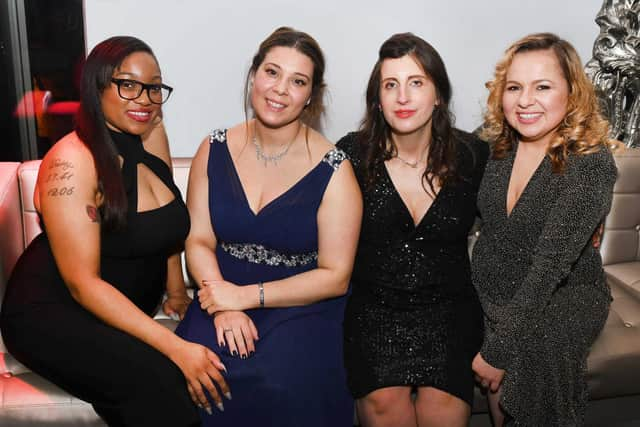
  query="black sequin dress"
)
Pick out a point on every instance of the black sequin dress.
point(413, 318)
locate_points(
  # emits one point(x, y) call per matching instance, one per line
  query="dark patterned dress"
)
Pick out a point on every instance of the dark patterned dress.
point(413, 318)
point(541, 284)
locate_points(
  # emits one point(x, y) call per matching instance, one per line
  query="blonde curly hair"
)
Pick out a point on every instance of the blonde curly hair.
point(583, 130)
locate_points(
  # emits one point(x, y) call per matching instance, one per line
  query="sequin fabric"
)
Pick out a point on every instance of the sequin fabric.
point(258, 254)
point(541, 284)
point(413, 317)
point(218, 135)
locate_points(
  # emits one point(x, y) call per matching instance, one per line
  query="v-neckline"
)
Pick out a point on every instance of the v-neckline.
point(407, 211)
point(525, 191)
point(275, 199)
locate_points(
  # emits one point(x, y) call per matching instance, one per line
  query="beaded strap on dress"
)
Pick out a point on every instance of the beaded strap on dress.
point(334, 157)
point(218, 135)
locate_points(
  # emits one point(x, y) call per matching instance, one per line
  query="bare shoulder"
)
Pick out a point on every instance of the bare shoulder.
point(319, 145)
point(69, 156)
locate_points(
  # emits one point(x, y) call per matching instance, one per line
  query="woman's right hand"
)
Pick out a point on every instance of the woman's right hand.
point(201, 367)
point(237, 330)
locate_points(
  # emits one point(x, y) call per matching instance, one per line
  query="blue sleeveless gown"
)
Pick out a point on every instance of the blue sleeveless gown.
point(296, 376)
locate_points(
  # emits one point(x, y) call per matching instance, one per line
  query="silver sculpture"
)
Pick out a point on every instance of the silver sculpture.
point(615, 68)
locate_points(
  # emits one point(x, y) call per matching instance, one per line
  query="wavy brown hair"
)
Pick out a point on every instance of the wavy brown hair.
point(374, 136)
point(583, 129)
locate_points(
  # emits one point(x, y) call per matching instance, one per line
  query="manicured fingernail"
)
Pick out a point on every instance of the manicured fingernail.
point(224, 368)
point(228, 395)
point(234, 353)
point(220, 406)
point(208, 409)
point(243, 356)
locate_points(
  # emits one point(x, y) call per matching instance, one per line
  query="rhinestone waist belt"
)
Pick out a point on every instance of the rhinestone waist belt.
point(258, 254)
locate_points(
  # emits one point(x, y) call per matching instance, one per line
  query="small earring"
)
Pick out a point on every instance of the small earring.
point(379, 107)
point(308, 102)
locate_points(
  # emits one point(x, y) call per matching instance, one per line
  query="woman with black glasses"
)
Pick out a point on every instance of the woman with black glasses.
point(78, 304)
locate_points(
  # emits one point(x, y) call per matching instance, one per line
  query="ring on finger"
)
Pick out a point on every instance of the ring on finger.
point(227, 330)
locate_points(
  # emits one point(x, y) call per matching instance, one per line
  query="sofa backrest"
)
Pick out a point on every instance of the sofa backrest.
point(11, 242)
point(621, 240)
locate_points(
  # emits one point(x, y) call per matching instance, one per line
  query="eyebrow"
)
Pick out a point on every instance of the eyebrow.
point(413, 76)
point(135, 76)
point(535, 81)
point(280, 68)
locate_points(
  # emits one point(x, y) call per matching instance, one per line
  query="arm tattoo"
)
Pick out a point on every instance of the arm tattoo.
point(59, 173)
point(94, 213)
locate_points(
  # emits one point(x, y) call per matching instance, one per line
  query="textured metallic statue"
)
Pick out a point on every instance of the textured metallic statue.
point(615, 68)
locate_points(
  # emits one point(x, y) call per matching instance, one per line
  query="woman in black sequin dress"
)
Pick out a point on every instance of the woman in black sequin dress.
point(413, 321)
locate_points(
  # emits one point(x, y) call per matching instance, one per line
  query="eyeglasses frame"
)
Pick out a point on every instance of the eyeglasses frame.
point(145, 86)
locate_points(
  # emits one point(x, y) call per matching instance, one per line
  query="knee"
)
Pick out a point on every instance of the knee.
point(434, 402)
point(384, 400)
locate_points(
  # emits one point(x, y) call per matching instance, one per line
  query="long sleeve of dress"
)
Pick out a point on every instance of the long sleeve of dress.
point(571, 221)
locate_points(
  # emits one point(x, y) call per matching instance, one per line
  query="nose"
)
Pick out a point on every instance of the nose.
point(144, 98)
point(526, 98)
point(403, 95)
point(280, 87)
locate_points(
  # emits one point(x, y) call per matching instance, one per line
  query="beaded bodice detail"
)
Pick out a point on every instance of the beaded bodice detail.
point(265, 245)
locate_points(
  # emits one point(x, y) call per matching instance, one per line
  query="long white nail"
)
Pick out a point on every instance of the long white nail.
point(208, 409)
point(228, 395)
point(220, 406)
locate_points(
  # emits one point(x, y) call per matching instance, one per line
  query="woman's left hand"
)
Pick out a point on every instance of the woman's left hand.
point(488, 376)
point(220, 295)
point(175, 306)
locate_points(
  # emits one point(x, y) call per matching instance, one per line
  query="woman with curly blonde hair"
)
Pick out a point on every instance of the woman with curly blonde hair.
point(546, 187)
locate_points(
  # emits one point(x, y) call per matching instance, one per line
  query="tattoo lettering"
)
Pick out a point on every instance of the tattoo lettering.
point(94, 213)
point(54, 176)
point(59, 175)
point(60, 191)
point(65, 165)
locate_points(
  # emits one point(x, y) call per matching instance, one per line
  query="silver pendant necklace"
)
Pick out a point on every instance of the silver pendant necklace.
point(271, 158)
point(412, 165)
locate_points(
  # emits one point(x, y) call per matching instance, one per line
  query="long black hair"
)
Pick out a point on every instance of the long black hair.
point(374, 136)
point(91, 125)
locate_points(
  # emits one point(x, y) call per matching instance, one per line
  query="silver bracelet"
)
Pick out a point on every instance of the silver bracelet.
point(261, 289)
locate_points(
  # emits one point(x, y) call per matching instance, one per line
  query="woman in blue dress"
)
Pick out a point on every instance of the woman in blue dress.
point(275, 211)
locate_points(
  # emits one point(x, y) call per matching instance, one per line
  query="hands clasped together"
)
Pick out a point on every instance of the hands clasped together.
point(234, 328)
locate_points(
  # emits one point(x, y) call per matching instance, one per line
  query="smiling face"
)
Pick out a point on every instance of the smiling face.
point(132, 116)
point(407, 95)
point(281, 86)
point(536, 96)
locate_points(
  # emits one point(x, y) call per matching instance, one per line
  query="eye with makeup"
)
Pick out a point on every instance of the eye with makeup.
point(390, 84)
point(543, 87)
point(299, 82)
point(271, 71)
point(512, 88)
point(417, 82)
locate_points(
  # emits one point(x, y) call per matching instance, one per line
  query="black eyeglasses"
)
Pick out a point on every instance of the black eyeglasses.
point(132, 89)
